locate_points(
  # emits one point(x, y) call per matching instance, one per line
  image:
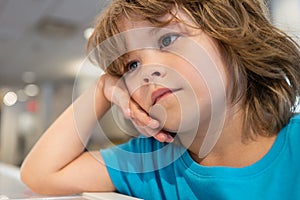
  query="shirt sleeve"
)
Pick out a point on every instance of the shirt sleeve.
point(127, 164)
point(133, 164)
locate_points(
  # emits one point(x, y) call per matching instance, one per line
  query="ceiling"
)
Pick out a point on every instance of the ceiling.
point(46, 36)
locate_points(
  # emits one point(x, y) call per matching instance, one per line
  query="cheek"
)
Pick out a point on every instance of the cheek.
point(197, 99)
point(139, 95)
point(168, 112)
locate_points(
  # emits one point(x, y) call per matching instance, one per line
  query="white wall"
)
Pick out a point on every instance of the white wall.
point(286, 16)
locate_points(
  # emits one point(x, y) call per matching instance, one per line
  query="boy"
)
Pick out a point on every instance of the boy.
point(215, 73)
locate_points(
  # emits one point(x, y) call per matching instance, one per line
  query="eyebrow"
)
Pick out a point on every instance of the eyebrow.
point(154, 30)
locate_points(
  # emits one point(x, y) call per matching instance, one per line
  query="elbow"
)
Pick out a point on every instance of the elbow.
point(34, 181)
point(30, 179)
point(43, 183)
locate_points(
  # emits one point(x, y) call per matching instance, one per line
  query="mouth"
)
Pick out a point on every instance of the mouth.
point(159, 94)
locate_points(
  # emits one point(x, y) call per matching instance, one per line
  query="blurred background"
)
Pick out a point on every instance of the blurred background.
point(43, 66)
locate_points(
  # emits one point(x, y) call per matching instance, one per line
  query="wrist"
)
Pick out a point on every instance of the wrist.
point(101, 102)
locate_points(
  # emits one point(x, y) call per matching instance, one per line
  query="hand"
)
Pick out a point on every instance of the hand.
point(116, 92)
point(146, 125)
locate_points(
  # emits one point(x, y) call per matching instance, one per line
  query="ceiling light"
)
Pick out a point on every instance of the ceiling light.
point(31, 90)
point(10, 99)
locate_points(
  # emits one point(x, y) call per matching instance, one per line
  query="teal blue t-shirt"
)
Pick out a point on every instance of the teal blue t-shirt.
point(148, 169)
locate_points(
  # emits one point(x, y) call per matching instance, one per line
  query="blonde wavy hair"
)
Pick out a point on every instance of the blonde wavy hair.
point(263, 62)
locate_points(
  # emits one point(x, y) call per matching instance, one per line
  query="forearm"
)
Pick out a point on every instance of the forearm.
point(66, 138)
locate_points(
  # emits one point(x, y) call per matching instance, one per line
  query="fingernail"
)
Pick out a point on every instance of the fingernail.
point(169, 139)
point(153, 124)
point(161, 137)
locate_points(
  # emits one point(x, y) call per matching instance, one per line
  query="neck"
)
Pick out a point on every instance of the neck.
point(231, 148)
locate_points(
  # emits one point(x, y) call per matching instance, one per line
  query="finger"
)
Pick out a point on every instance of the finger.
point(142, 130)
point(163, 137)
point(160, 135)
point(121, 99)
point(141, 117)
point(149, 132)
point(116, 92)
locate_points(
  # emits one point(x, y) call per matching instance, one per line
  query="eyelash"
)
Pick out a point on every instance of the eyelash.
point(172, 38)
point(129, 64)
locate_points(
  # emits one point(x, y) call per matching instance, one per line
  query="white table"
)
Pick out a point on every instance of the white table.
point(11, 187)
point(10, 183)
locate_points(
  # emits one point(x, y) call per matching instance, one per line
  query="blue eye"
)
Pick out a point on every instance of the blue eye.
point(168, 39)
point(133, 65)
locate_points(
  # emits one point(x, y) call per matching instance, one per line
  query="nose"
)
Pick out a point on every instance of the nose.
point(151, 73)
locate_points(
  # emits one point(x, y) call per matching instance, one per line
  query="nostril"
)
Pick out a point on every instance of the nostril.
point(156, 73)
point(149, 76)
point(146, 80)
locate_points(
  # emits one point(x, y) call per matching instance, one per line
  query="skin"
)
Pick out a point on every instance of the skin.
point(192, 93)
point(54, 165)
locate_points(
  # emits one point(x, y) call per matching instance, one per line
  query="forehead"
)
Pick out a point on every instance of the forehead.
point(137, 32)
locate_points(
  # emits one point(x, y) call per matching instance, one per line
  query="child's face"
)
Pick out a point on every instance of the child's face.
point(171, 74)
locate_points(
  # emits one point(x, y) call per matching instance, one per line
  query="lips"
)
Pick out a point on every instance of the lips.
point(160, 93)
